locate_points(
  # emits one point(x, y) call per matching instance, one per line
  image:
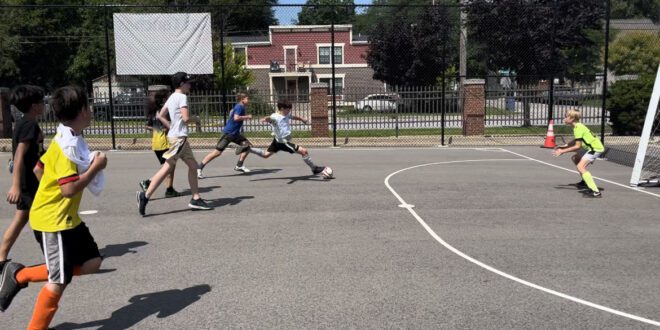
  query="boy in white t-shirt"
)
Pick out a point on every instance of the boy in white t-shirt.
point(281, 122)
point(177, 137)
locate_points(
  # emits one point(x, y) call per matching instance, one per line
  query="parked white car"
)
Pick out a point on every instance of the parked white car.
point(378, 102)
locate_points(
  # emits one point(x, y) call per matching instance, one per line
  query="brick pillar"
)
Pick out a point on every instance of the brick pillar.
point(474, 107)
point(5, 114)
point(319, 104)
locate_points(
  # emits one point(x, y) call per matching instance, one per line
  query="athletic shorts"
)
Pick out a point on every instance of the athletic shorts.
point(179, 149)
point(159, 155)
point(25, 200)
point(226, 139)
point(63, 250)
point(283, 146)
point(590, 155)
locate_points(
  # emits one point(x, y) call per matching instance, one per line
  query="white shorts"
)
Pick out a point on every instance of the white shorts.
point(589, 155)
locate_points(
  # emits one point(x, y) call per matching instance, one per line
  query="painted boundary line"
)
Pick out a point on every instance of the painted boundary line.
point(576, 172)
point(428, 229)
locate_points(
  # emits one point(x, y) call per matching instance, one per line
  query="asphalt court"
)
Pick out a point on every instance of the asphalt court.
point(284, 249)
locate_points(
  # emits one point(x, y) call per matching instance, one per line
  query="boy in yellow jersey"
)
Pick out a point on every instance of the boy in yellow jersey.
point(587, 148)
point(67, 245)
point(159, 142)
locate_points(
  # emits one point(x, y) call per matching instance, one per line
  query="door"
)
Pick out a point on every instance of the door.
point(290, 59)
point(292, 89)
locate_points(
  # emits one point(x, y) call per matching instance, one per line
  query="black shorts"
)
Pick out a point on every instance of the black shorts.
point(25, 200)
point(63, 250)
point(226, 139)
point(159, 155)
point(286, 146)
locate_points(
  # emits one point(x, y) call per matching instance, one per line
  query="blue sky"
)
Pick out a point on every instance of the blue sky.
point(286, 15)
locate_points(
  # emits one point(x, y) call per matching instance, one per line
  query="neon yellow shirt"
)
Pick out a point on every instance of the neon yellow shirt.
point(51, 211)
point(589, 141)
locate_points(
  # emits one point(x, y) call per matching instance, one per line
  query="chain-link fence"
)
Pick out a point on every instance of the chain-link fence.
point(478, 73)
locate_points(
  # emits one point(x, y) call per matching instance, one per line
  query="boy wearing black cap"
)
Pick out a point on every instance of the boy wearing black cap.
point(177, 136)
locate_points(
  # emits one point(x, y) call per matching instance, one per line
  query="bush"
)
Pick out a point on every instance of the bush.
point(259, 106)
point(627, 102)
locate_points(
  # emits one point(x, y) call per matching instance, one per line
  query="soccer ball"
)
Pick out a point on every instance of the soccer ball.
point(327, 173)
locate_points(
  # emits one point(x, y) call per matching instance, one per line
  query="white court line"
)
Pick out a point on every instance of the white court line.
point(574, 171)
point(421, 221)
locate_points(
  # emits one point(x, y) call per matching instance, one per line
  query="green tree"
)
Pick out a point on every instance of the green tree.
point(41, 45)
point(628, 102)
point(407, 51)
point(635, 9)
point(237, 76)
point(9, 50)
point(321, 12)
point(534, 39)
point(635, 53)
point(387, 10)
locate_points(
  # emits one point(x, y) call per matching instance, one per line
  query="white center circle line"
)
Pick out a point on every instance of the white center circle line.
point(490, 268)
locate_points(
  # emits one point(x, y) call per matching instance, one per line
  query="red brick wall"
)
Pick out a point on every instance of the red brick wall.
point(319, 104)
point(306, 42)
point(474, 107)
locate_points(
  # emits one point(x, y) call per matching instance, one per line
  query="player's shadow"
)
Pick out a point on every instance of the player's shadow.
point(294, 179)
point(118, 250)
point(186, 192)
point(218, 202)
point(573, 187)
point(253, 172)
point(163, 304)
point(227, 201)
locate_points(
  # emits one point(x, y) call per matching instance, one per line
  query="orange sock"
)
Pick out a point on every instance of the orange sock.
point(44, 309)
point(32, 274)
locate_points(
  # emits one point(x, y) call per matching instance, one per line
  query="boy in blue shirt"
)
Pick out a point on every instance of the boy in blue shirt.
point(232, 133)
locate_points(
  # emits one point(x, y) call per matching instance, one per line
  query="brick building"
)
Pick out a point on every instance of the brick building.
point(290, 58)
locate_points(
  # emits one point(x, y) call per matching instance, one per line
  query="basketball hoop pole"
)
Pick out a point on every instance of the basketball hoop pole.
point(109, 70)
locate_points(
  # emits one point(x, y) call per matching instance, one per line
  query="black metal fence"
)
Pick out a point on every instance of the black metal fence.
point(393, 72)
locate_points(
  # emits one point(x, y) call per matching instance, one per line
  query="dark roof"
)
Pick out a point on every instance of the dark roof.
point(254, 38)
point(262, 36)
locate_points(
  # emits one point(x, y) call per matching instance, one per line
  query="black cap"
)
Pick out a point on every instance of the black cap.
point(180, 78)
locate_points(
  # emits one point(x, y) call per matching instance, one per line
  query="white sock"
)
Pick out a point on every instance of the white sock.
point(257, 151)
point(309, 162)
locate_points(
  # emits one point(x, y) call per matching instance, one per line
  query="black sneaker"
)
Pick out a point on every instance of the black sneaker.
point(8, 285)
point(169, 193)
point(199, 204)
point(144, 184)
point(142, 201)
point(593, 194)
point(318, 169)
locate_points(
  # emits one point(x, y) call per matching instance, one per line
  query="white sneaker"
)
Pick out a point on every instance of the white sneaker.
point(242, 169)
point(199, 174)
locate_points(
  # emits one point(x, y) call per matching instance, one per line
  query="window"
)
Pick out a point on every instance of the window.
point(324, 54)
point(339, 85)
point(242, 53)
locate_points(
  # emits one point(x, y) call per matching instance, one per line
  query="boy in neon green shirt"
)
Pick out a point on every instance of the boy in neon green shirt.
point(587, 149)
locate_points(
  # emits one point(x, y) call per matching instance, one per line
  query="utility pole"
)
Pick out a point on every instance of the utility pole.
point(462, 66)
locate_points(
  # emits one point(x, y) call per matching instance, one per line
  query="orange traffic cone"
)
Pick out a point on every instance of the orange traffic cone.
point(550, 137)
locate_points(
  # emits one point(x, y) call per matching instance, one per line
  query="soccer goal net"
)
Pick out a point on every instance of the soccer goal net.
point(646, 171)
